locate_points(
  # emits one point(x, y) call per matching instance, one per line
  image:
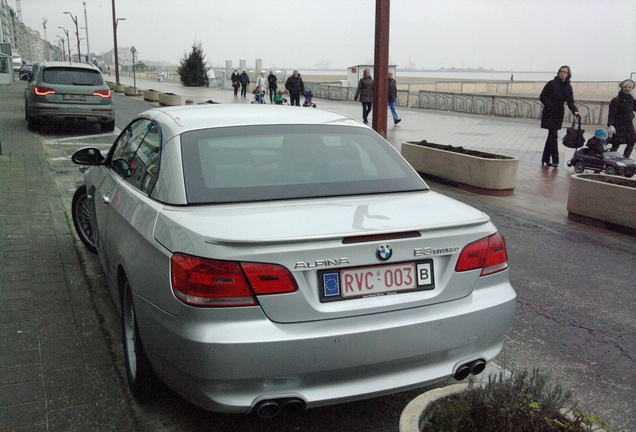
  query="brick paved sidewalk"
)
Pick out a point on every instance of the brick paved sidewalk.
point(56, 370)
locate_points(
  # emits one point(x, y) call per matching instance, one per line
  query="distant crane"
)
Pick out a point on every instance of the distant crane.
point(44, 21)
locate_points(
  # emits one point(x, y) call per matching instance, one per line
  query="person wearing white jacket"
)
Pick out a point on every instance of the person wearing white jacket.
point(261, 86)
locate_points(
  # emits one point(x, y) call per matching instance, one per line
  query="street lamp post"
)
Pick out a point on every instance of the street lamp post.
point(68, 42)
point(115, 21)
point(88, 46)
point(79, 55)
point(133, 51)
point(61, 44)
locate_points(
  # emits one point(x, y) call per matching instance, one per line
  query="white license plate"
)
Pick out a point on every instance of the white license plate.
point(73, 97)
point(377, 280)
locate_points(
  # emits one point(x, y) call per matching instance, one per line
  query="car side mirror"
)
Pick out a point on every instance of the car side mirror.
point(88, 156)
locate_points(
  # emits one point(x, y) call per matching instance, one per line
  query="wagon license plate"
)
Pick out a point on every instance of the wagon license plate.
point(377, 280)
point(73, 97)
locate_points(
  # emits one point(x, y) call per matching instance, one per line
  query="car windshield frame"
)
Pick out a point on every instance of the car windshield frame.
point(254, 163)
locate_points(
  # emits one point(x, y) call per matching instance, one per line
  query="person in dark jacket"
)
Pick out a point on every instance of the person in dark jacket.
point(553, 97)
point(621, 118)
point(295, 87)
point(393, 98)
point(271, 84)
point(244, 79)
point(235, 82)
point(365, 93)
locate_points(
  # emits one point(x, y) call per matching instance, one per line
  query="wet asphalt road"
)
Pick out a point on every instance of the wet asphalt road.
point(575, 318)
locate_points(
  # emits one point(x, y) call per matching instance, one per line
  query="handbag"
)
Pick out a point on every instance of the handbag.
point(574, 136)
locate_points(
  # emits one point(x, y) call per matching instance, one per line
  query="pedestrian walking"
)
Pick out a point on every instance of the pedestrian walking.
point(295, 87)
point(235, 82)
point(554, 95)
point(621, 118)
point(271, 84)
point(365, 93)
point(261, 85)
point(244, 79)
point(393, 98)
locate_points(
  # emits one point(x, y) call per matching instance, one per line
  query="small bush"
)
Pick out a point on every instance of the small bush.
point(523, 402)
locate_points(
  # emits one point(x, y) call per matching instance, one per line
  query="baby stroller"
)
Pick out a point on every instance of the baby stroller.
point(309, 95)
point(595, 157)
point(259, 95)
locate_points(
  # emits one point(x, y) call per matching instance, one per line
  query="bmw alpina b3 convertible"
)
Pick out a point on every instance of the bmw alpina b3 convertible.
point(268, 256)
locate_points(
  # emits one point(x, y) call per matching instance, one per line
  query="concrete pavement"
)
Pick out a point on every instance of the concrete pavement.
point(57, 372)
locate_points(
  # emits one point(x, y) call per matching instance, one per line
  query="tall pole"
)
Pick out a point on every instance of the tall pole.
point(74, 18)
point(133, 50)
point(381, 66)
point(68, 43)
point(115, 44)
point(88, 46)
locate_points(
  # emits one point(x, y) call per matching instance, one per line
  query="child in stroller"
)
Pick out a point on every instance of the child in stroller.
point(308, 98)
point(259, 95)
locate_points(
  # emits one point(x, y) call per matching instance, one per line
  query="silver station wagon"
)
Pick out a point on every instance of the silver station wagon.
point(269, 256)
point(70, 92)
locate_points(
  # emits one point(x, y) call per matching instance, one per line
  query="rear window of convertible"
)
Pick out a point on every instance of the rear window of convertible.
point(274, 162)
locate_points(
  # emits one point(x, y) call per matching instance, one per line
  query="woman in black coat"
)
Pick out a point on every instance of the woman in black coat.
point(555, 93)
point(235, 82)
point(365, 93)
point(621, 118)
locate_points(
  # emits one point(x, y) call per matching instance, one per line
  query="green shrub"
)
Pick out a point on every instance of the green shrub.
point(522, 402)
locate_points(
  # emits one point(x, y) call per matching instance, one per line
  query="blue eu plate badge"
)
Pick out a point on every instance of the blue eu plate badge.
point(331, 284)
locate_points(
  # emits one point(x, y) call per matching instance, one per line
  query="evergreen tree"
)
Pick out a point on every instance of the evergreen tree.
point(193, 70)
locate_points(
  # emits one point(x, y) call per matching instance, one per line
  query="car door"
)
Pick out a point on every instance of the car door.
point(123, 209)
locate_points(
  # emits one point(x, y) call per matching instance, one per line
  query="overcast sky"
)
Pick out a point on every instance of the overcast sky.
point(592, 36)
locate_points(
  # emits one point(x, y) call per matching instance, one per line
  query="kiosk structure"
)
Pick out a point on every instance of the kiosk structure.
point(6, 69)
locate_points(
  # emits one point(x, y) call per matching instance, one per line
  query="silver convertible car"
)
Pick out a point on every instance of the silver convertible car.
point(268, 256)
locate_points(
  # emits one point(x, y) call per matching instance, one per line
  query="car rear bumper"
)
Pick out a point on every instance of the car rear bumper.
point(88, 113)
point(230, 367)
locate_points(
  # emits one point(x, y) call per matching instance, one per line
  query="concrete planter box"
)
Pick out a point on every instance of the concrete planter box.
point(119, 88)
point(130, 91)
point(110, 84)
point(151, 95)
point(480, 172)
point(415, 412)
point(601, 199)
point(169, 99)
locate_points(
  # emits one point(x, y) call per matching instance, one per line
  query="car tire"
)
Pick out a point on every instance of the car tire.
point(32, 124)
point(610, 170)
point(630, 175)
point(141, 378)
point(579, 166)
point(80, 211)
point(108, 126)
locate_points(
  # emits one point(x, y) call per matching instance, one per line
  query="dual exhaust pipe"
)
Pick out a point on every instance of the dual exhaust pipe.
point(472, 368)
point(272, 407)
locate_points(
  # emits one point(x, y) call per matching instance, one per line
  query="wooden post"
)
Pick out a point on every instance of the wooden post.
point(381, 66)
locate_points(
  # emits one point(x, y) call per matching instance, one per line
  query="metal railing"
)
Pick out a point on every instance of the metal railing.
point(592, 112)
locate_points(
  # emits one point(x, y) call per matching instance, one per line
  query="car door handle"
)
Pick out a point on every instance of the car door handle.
point(105, 199)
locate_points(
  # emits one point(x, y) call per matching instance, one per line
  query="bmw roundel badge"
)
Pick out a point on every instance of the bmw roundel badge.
point(384, 252)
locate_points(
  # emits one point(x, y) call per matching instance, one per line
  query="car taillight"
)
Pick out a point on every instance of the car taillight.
point(103, 93)
point(43, 91)
point(210, 283)
point(489, 254)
